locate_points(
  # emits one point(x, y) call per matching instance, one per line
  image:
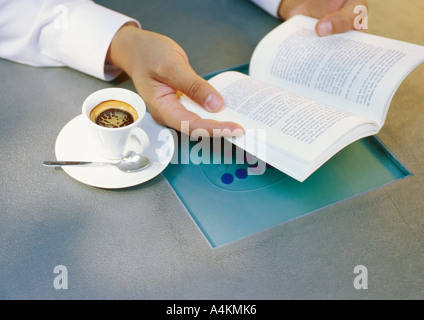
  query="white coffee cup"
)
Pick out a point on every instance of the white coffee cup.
point(116, 143)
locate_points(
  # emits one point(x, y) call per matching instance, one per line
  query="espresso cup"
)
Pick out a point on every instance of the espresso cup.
point(127, 136)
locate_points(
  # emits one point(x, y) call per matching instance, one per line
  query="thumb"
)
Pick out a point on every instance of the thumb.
point(338, 22)
point(185, 79)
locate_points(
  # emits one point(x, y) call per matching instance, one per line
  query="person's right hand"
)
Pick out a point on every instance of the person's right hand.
point(159, 68)
point(335, 16)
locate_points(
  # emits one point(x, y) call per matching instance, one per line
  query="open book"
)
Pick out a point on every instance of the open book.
point(308, 97)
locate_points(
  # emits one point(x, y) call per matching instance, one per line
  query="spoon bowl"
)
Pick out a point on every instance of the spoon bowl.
point(132, 162)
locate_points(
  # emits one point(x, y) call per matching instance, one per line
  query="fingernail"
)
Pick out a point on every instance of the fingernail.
point(213, 102)
point(324, 28)
point(237, 132)
point(234, 131)
point(230, 131)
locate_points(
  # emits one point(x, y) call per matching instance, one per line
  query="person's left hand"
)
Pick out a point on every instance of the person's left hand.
point(160, 71)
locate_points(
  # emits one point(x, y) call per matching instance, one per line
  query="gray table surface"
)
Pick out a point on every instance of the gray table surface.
point(139, 243)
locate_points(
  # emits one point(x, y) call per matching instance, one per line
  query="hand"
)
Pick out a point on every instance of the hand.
point(160, 69)
point(336, 16)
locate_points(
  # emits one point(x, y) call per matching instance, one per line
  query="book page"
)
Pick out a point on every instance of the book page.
point(354, 71)
point(296, 125)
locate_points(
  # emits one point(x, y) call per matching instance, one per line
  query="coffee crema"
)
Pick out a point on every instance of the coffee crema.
point(113, 114)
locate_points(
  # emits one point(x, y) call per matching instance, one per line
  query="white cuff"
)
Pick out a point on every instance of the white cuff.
point(271, 6)
point(80, 37)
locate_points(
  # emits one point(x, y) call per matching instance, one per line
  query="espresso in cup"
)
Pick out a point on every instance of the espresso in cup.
point(113, 114)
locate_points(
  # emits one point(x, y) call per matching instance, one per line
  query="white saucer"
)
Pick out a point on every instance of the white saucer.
point(74, 144)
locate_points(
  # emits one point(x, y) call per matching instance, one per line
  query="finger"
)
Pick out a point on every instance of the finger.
point(182, 77)
point(320, 8)
point(169, 111)
point(339, 21)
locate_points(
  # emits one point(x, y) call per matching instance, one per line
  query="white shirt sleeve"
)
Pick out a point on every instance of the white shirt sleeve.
point(73, 33)
point(271, 6)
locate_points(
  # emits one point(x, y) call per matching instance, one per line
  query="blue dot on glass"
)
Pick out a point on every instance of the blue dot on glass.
point(241, 173)
point(227, 178)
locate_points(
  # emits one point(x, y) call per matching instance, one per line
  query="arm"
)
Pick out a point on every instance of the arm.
point(59, 33)
point(270, 6)
point(101, 42)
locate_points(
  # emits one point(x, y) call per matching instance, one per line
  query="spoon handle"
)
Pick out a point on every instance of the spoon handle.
point(75, 163)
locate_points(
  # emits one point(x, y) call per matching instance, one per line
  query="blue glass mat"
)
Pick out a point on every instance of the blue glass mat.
point(227, 204)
